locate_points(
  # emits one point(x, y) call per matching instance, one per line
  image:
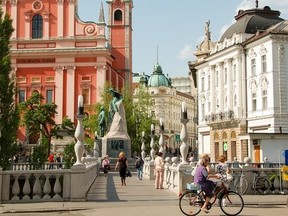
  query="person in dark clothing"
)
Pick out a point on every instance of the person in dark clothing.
point(139, 166)
point(122, 163)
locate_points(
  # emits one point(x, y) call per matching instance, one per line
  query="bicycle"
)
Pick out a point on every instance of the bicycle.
point(230, 202)
point(260, 184)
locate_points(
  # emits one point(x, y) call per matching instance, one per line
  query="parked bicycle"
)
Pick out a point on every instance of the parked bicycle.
point(230, 202)
point(259, 184)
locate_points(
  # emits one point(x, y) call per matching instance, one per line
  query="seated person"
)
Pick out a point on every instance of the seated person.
point(201, 178)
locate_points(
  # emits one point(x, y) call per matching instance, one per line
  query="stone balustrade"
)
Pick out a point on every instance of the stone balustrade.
point(24, 185)
point(177, 175)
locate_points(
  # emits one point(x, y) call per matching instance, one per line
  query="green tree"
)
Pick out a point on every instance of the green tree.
point(39, 118)
point(9, 115)
point(69, 155)
point(141, 119)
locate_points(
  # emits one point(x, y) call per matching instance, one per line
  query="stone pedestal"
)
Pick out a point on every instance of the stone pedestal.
point(112, 146)
point(78, 184)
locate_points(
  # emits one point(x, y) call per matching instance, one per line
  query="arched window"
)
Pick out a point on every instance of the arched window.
point(37, 26)
point(118, 15)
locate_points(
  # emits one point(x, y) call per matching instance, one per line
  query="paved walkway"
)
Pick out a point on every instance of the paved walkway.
point(107, 196)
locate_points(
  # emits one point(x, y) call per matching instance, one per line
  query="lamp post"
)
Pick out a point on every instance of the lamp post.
point(79, 132)
point(152, 143)
point(143, 148)
point(184, 134)
point(161, 139)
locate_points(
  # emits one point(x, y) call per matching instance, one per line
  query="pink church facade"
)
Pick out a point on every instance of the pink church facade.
point(60, 56)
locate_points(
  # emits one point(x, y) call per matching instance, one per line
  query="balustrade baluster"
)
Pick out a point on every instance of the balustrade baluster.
point(26, 188)
point(16, 188)
point(37, 188)
point(47, 188)
point(57, 188)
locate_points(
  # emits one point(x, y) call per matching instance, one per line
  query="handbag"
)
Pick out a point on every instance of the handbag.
point(128, 173)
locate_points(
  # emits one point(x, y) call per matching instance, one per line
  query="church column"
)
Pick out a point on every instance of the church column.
point(71, 19)
point(46, 26)
point(59, 83)
point(100, 79)
point(70, 94)
point(60, 18)
point(27, 25)
point(14, 17)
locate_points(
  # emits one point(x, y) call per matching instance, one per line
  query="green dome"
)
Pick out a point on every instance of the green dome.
point(158, 78)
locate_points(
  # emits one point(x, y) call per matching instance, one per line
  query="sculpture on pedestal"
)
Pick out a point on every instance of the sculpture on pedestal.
point(117, 139)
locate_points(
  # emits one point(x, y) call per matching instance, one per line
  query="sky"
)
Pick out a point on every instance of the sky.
point(168, 31)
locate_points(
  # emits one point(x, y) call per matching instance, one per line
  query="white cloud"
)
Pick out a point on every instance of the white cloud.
point(186, 53)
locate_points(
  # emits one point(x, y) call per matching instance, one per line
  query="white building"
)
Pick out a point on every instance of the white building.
point(167, 101)
point(242, 88)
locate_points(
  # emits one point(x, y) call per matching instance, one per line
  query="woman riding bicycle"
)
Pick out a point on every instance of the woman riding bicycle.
point(202, 176)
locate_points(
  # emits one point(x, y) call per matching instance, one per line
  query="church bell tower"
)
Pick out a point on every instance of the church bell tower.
point(120, 36)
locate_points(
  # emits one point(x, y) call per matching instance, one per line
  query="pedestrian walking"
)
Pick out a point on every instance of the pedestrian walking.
point(139, 167)
point(106, 165)
point(159, 171)
point(122, 163)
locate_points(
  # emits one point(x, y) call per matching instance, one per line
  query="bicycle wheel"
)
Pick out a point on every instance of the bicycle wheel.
point(262, 185)
point(231, 203)
point(190, 203)
point(241, 186)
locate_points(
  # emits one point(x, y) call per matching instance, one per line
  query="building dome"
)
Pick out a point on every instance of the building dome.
point(253, 20)
point(158, 78)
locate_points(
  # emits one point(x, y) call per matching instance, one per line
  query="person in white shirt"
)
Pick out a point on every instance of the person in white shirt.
point(159, 171)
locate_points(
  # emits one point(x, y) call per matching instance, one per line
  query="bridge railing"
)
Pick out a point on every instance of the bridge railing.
point(24, 185)
point(177, 175)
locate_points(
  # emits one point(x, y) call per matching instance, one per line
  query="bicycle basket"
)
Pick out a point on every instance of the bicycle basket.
point(193, 186)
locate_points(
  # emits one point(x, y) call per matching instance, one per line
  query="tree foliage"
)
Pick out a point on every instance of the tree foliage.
point(39, 118)
point(8, 109)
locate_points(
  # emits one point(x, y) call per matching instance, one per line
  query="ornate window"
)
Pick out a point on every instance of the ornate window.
point(264, 63)
point(254, 101)
point(21, 95)
point(86, 96)
point(49, 96)
point(253, 67)
point(37, 26)
point(264, 100)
